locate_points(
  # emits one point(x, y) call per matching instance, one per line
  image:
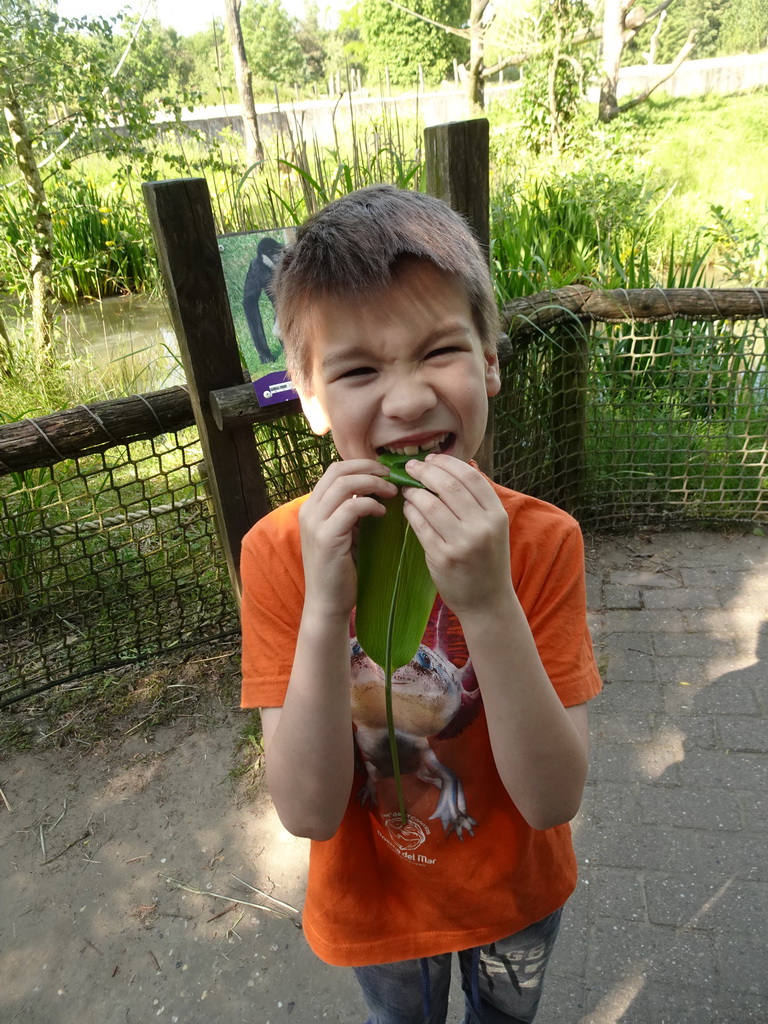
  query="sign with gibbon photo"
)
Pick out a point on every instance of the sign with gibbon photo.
point(248, 259)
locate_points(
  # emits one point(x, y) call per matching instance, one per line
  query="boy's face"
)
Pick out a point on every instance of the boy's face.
point(402, 368)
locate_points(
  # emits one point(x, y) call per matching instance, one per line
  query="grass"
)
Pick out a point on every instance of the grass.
point(74, 374)
point(704, 152)
point(652, 183)
point(577, 230)
point(651, 461)
point(101, 241)
point(249, 751)
point(29, 494)
point(682, 134)
point(112, 559)
point(292, 458)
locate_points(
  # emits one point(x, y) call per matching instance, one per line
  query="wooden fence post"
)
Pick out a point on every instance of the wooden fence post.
point(570, 365)
point(188, 252)
point(456, 161)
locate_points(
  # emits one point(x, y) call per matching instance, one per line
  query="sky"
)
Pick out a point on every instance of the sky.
point(186, 16)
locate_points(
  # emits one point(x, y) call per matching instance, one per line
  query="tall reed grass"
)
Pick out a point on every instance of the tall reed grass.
point(585, 230)
point(100, 239)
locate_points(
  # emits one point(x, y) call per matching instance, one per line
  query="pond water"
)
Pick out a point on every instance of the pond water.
point(129, 336)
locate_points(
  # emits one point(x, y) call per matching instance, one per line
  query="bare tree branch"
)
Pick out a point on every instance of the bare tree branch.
point(584, 36)
point(589, 35)
point(679, 59)
point(654, 43)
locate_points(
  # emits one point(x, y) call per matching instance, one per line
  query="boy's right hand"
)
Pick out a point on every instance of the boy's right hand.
point(345, 493)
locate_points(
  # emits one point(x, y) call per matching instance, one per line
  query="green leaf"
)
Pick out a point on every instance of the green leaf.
point(395, 595)
point(396, 466)
point(381, 542)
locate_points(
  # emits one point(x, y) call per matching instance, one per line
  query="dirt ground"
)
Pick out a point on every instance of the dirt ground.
point(128, 885)
point(132, 876)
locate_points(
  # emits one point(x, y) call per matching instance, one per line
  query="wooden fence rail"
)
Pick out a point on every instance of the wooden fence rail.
point(72, 433)
point(26, 444)
point(626, 305)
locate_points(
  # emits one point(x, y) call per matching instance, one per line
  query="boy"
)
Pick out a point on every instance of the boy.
point(389, 323)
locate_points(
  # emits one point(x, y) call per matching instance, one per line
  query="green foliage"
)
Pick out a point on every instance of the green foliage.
point(741, 238)
point(23, 504)
point(648, 177)
point(744, 27)
point(61, 72)
point(345, 46)
point(281, 51)
point(555, 77)
point(312, 39)
point(160, 65)
point(64, 98)
point(578, 227)
point(705, 16)
point(679, 137)
point(101, 239)
point(298, 179)
point(675, 421)
point(400, 42)
point(274, 52)
point(213, 74)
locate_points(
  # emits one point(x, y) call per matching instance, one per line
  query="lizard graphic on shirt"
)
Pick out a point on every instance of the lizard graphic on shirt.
point(432, 698)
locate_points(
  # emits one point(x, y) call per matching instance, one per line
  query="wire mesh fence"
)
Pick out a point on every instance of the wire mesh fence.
point(112, 557)
point(639, 424)
point(292, 458)
point(107, 559)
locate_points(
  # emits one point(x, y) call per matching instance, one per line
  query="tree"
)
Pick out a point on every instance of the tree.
point(480, 35)
point(312, 40)
point(744, 28)
point(214, 74)
point(61, 99)
point(36, 51)
point(481, 39)
point(555, 74)
point(270, 39)
point(476, 54)
point(253, 149)
point(402, 39)
point(160, 64)
point(704, 17)
point(621, 23)
point(345, 47)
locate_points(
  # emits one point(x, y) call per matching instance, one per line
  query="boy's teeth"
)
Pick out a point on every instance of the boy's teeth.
point(414, 449)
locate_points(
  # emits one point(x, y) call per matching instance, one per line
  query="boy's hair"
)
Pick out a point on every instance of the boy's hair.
point(351, 247)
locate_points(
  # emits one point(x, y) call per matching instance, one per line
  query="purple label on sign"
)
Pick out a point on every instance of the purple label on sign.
point(274, 387)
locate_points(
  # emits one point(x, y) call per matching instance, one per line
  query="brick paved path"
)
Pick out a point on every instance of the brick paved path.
point(670, 922)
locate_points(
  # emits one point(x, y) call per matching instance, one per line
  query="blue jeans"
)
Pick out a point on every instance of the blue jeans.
point(502, 982)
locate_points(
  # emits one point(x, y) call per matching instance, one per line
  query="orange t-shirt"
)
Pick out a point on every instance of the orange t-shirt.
point(466, 869)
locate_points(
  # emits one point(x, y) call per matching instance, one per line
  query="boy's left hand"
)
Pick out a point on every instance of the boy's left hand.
point(464, 530)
